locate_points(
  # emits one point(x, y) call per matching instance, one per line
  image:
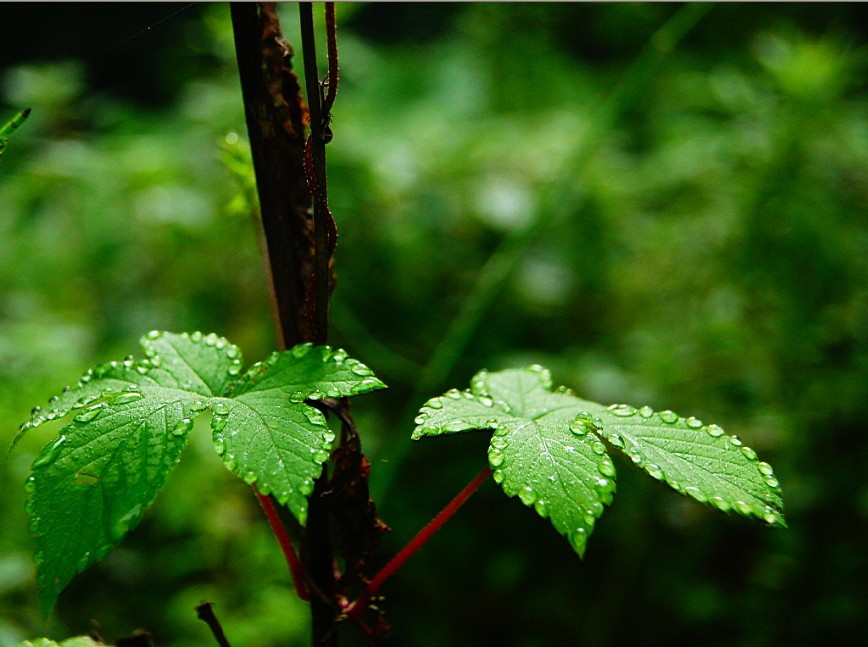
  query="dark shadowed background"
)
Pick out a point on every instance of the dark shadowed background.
point(665, 204)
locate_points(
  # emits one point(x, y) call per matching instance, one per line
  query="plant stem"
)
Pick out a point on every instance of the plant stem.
point(205, 613)
point(286, 546)
point(357, 608)
point(317, 183)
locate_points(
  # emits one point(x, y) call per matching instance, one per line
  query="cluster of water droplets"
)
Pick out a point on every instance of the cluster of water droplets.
point(765, 512)
point(434, 418)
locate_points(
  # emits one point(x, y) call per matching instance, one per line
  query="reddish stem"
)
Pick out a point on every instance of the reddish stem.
point(357, 608)
point(285, 544)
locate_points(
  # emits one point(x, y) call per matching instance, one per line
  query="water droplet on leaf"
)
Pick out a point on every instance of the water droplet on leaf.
point(184, 426)
point(127, 397)
point(123, 525)
point(301, 350)
point(622, 410)
point(90, 413)
point(527, 495)
point(716, 431)
point(696, 493)
point(669, 417)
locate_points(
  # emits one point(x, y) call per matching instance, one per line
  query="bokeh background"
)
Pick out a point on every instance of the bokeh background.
point(665, 204)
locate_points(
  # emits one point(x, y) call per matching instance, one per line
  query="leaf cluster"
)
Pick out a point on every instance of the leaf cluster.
point(131, 420)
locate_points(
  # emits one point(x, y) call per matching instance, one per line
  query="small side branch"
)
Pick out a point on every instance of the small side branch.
point(357, 608)
point(286, 546)
point(205, 612)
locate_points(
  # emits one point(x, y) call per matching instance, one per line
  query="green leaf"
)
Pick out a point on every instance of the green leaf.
point(546, 449)
point(79, 641)
point(130, 421)
point(268, 436)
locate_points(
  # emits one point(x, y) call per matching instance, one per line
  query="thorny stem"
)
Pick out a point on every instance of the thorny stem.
point(286, 546)
point(354, 610)
point(316, 145)
point(317, 550)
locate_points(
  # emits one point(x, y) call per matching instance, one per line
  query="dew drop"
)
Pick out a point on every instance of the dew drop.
point(669, 417)
point(196, 336)
point(220, 409)
point(184, 426)
point(646, 411)
point(231, 462)
point(220, 445)
point(654, 471)
point(455, 425)
point(320, 455)
point(154, 334)
point(90, 413)
point(453, 394)
point(622, 410)
point(602, 484)
point(127, 397)
point(616, 440)
point(578, 427)
point(749, 453)
point(30, 484)
point(735, 440)
point(720, 503)
point(772, 482)
point(578, 539)
point(83, 562)
point(49, 455)
point(305, 488)
point(434, 403)
point(765, 468)
point(715, 431)
point(693, 423)
point(360, 370)
point(542, 508)
point(527, 495)
point(123, 525)
point(696, 493)
point(598, 448)
point(497, 475)
point(297, 396)
point(606, 467)
point(218, 423)
point(301, 350)
point(197, 406)
point(741, 507)
point(486, 401)
point(495, 458)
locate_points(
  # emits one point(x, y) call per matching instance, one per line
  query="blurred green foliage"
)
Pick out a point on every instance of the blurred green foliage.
point(664, 204)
